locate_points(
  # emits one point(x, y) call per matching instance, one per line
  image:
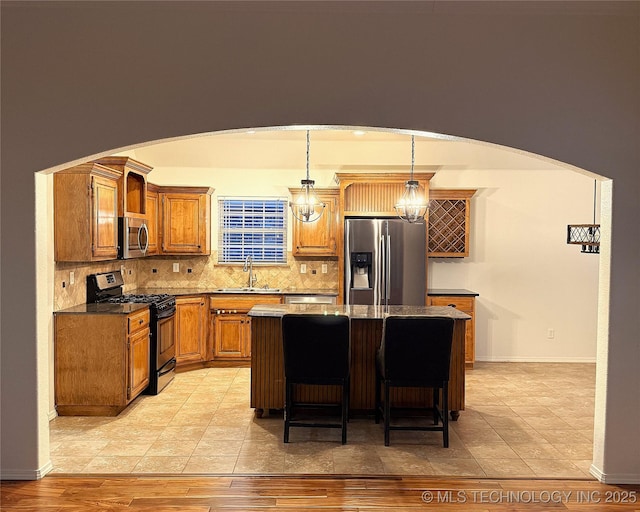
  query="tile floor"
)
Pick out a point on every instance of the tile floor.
point(522, 420)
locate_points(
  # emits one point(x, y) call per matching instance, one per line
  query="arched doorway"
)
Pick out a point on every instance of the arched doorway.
point(394, 154)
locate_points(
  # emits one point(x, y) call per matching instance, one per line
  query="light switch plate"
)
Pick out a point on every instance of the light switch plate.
point(72, 277)
point(303, 268)
point(176, 267)
point(324, 268)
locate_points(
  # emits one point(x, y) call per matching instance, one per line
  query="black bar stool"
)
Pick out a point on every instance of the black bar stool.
point(415, 352)
point(317, 351)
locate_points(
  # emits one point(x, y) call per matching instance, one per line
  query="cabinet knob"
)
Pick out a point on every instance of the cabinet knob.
point(140, 321)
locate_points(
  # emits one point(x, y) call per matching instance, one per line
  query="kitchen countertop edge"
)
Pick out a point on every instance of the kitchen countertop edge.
point(210, 291)
point(355, 311)
point(453, 292)
point(103, 308)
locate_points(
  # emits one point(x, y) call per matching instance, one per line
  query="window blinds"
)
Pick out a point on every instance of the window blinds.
point(252, 226)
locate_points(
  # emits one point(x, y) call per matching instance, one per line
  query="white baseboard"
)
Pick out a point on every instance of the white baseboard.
point(52, 414)
point(614, 478)
point(534, 359)
point(21, 474)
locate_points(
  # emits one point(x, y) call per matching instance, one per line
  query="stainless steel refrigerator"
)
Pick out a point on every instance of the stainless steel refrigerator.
point(384, 262)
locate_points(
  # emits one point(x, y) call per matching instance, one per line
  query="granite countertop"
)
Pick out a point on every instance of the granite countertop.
point(201, 291)
point(356, 311)
point(460, 292)
point(103, 309)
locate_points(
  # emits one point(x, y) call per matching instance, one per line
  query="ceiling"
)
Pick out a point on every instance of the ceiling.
point(332, 148)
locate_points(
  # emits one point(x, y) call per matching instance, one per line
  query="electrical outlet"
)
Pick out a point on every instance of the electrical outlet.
point(189, 270)
point(72, 277)
point(325, 268)
point(176, 267)
point(64, 284)
point(551, 333)
point(303, 268)
point(154, 270)
point(313, 271)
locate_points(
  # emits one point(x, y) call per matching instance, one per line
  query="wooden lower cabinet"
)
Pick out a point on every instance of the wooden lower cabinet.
point(101, 361)
point(191, 327)
point(232, 336)
point(231, 326)
point(466, 304)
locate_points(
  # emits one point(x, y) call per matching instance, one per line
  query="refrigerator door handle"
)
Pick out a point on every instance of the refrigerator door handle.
point(379, 296)
point(387, 273)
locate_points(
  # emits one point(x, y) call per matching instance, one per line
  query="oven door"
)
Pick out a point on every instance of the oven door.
point(134, 237)
point(166, 338)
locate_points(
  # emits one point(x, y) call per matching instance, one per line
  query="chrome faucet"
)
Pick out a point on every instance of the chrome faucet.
point(248, 266)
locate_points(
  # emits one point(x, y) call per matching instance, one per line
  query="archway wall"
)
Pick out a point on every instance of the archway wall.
point(554, 78)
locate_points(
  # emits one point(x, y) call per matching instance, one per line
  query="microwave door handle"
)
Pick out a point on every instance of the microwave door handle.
point(146, 238)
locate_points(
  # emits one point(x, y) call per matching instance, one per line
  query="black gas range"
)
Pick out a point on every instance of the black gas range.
point(107, 287)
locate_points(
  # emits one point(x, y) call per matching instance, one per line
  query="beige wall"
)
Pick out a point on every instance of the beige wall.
point(560, 79)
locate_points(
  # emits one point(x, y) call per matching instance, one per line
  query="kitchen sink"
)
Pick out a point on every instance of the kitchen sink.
point(247, 289)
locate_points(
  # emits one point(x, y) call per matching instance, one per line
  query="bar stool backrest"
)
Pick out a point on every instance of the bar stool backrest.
point(416, 348)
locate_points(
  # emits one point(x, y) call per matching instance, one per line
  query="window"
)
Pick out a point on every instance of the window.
point(252, 226)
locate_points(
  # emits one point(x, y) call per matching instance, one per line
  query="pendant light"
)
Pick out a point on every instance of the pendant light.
point(411, 207)
point(586, 235)
point(307, 207)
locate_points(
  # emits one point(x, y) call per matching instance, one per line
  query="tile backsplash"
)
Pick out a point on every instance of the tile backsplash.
point(201, 272)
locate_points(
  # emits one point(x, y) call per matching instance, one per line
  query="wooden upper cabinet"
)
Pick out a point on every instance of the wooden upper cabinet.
point(318, 238)
point(132, 185)
point(375, 194)
point(186, 220)
point(86, 213)
point(153, 218)
point(449, 223)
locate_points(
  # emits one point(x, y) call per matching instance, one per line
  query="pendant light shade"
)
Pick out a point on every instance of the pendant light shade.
point(307, 207)
point(411, 207)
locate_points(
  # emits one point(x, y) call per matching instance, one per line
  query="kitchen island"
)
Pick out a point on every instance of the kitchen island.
point(267, 365)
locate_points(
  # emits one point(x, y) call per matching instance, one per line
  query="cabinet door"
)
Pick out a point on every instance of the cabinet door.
point(184, 223)
point(247, 338)
point(466, 305)
point(230, 335)
point(318, 238)
point(138, 358)
point(152, 222)
point(190, 321)
point(104, 238)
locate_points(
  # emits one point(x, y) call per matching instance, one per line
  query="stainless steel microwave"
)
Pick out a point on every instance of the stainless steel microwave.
point(133, 236)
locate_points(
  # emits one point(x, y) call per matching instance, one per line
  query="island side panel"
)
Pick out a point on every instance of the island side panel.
point(366, 336)
point(267, 364)
point(267, 370)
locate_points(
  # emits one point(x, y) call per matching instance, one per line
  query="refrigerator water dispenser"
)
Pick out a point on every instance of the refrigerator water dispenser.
point(361, 270)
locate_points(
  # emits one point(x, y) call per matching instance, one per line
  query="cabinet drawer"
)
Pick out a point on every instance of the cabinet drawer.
point(241, 303)
point(138, 320)
point(461, 303)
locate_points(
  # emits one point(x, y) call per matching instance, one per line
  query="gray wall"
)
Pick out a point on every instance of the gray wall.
point(555, 78)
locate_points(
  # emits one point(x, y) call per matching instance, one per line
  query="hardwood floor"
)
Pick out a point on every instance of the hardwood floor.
point(313, 493)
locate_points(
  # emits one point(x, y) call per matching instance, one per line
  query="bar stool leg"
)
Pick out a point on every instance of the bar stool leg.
point(387, 412)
